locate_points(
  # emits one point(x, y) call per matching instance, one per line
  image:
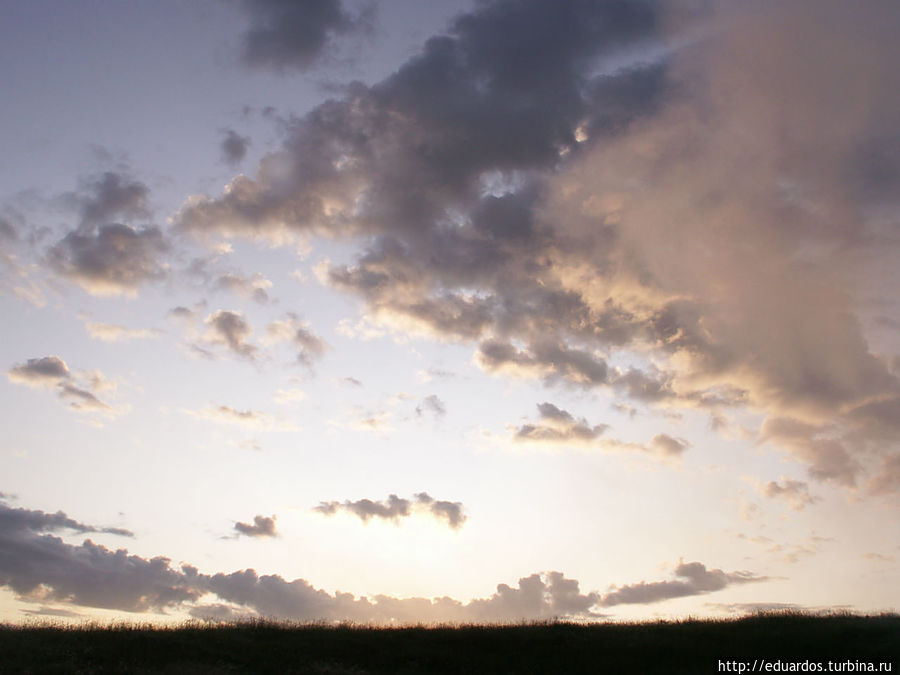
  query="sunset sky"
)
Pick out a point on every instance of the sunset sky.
point(459, 310)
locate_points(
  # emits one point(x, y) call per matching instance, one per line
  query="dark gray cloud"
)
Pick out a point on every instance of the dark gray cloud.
point(262, 526)
point(690, 579)
point(295, 34)
point(394, 508)
point(234, 146)
point(559, 426)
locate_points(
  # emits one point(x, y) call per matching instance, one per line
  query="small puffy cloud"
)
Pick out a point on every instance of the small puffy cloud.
point(111, 259)
point(558, 426)
point(293, 331)
point(691, 578)
point(182, 313)
point(41, 372)
point(394, 508)
point(294, 35)
point(230, 329)
point(261, 527)
point(105, 254)
point(78, 389)
point(256, 287)
point(794, 492)
point(452, 512)
point(668, 446)
point(433, 405)
point(233, 146)
point(378, 421)
point(108, 332)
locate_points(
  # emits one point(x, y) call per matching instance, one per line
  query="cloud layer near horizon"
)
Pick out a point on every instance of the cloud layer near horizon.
point(41, 567)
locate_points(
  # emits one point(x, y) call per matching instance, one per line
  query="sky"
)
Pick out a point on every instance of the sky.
point(470, 310)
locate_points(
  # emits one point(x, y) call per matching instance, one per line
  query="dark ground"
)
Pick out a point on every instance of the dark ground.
point(266, 647)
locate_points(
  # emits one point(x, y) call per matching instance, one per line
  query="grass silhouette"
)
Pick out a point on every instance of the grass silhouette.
point(689, 646)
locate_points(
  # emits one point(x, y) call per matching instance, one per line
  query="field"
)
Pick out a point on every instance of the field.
point(787, 643)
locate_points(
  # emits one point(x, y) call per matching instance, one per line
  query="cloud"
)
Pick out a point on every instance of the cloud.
point(433, 405)
point(111, 259)
point(80, 390)
point(526, 196)
point(230, 329)
point(261, 527)
point(27, 520)
point(110, 196)
point(668, 446)
point(40, 372)
point(105, 257)
point(294, 35)
point(690, 579)
point(794, 492)
point(543, 359)
point(233, 146)
point(295, 332)
point(40, 567)
point(108, 332)
point(442, 510)
point(225, 414)
point(394, 508)
point(559, 426)
point(255, 288)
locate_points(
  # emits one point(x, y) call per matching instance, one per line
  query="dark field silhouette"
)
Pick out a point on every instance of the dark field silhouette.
point(848, 642)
